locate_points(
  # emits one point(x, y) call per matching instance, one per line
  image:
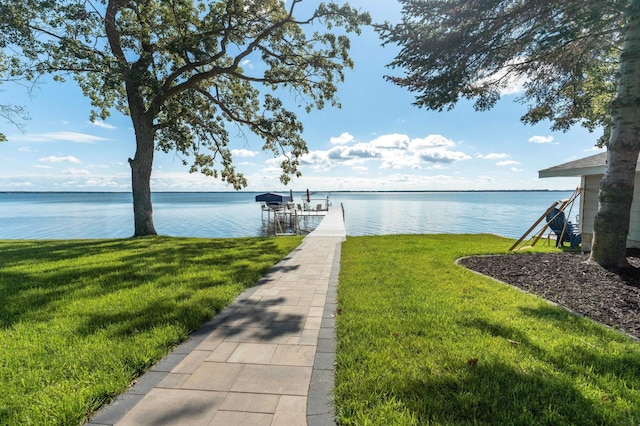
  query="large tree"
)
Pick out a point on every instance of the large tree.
point(12, 32)
point(574, 56)
point(179, 69)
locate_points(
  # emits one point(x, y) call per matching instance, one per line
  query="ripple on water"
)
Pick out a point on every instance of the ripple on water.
point(223, 215)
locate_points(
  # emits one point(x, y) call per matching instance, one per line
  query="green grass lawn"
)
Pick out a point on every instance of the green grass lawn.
point(80, 320)
point(424, 341)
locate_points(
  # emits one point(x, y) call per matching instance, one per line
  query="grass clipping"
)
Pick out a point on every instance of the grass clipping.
point(422, 340)
point(81, 320)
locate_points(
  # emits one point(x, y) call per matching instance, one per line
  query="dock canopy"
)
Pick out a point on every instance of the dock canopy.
point(273, 198)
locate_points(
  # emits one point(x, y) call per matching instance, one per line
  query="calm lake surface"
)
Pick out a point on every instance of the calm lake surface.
point(52, 215)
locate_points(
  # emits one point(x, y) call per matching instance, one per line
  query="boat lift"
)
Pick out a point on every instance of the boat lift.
point(286, 214)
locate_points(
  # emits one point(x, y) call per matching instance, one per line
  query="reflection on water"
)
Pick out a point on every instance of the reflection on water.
point(213, 215)
point(508, 214)
point(305, 225)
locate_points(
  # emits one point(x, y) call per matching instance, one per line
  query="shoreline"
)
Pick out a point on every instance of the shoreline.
point(412, 191)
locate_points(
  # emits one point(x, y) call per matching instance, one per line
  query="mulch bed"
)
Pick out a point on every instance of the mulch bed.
point(564, 278)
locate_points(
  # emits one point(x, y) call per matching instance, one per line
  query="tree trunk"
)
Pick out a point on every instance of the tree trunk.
point(141, 166)
point(611, 224)
point(141, 118)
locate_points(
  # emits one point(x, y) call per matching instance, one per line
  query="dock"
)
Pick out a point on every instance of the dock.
point(267, 360)
point(284, 215)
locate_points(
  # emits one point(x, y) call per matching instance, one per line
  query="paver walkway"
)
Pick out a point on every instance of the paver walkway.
point(268, 359)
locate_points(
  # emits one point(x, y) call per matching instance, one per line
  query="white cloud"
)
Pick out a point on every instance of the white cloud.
point(508, 84)
point(243, 153)
point(595, 149)
point(494, 156)
point(440, 155)
point(513, 86)
point(541, 139)
point(317, 160)
point(54, 159)
point(390, 141)
point(436, 147)
point(431, 141)
point(337, 156)
point(20, 184)
point(247, 64)
point(274, 162)
point(368, 182)
point(184, 181)
point(507, 163)
point(390, 151)
point(68, 184)
point(56, 137)
point(26, 149)
point(69, 180)
point(73, 171)
point(103, 182)
point(102, 124)
point(41, 166)
point(438, 166)
point(343, 139)
point(362, 151)
point(399, 159)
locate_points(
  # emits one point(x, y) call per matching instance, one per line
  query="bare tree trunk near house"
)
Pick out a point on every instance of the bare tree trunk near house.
point(611, 225)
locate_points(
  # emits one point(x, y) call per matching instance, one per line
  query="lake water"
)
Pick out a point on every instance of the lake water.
point(25, 215)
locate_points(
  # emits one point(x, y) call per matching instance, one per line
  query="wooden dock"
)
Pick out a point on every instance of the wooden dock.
point(332, 224)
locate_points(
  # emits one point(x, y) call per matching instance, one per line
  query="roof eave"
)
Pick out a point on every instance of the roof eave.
point(583, 171)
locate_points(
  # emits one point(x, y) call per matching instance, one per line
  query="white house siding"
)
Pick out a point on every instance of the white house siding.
point(633, 240)
point(589, 207)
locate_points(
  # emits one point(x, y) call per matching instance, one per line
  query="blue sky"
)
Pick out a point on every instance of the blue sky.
point(376, 141)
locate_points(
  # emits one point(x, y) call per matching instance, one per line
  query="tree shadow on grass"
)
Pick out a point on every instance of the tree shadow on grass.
point(563, 318)
point(97, 269)
point(598, 356)
point(162, 303)
point(489, 391)
point(495, 393)
point(130, 299)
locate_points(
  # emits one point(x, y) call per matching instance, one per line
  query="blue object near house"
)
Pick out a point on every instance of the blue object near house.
point(564, 230)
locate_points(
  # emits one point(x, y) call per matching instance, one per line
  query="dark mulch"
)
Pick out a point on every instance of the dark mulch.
point(565, 278)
